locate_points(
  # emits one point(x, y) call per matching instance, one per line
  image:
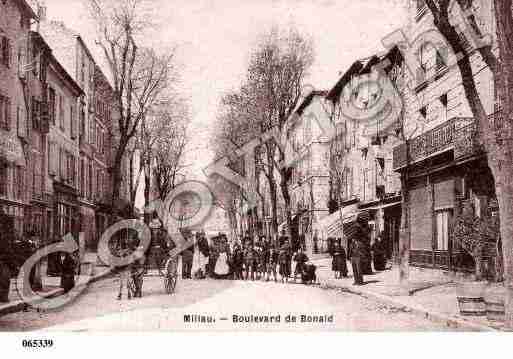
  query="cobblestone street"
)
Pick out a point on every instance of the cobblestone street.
point(98, 309)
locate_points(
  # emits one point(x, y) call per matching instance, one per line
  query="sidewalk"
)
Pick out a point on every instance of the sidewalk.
point(431, 294)
point(51, 288)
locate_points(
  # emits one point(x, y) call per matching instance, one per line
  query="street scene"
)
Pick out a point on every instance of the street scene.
point(230, 166)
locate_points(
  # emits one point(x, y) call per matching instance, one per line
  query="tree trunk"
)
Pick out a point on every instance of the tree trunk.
point(147, 187)
point(272, 190)
point(404, 233)
point(292, 230)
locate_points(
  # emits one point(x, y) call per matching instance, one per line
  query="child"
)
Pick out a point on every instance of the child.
point(248, 261)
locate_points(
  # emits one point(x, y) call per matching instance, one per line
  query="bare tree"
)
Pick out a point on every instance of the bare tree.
point(165, 155)
point(139, 74)
point(497, 138)
point(278, 67)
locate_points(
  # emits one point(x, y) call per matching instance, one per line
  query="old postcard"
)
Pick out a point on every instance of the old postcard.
point(255, 165)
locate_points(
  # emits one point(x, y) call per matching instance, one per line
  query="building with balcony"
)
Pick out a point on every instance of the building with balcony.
point(361, 156)
point(15, 19)
point(441, 161)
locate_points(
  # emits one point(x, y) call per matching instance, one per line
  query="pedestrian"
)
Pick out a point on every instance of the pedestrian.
point(300, 258)
point(338, 263)
point(272, 263)
point(187, 259)
point(123, 270)
point(358, 237)
point(285, 263)
point(68, 268)
point(249, 261)
point(378, 254)
point(137, 270)
point(237, 261)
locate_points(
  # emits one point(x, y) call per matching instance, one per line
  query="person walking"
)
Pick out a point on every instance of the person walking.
point(68, 268)
point(358, 237)
point(338, 263)
point(285, 263)
point(187, 261)
point(378, 254)
point(124, 272)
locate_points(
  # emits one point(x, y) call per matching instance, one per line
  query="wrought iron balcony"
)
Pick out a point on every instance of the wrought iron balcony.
point(458, 134)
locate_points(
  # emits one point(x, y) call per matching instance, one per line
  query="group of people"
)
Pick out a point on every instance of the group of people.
point(360, 252)
point(260, 259)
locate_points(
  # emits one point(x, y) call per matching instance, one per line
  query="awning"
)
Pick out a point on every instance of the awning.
point(333, 224)
point(11, 149)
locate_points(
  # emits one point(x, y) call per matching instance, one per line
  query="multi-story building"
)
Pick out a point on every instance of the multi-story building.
point(14, 109)
point(361, 160)
point(444, 164)
point(96, 130)
point(63, 151)
point(309, 182)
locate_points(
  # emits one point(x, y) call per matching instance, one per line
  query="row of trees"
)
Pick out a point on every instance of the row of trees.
point(269, 92)
point(152, 117)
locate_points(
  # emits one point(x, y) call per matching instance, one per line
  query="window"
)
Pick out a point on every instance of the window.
point(90, 189)
point(82, 120)
point(92, 134)
point(36, 111)
point(35, 59)
point(440, 62)
point(61, 164)
point(19, 180)
point(3, 179)
point(443, 220)
point(61, 112)
point(6, 52)
point(82, 178)
point(51, 104)
point(5, 113)
point(72, 120)
point(423, 111)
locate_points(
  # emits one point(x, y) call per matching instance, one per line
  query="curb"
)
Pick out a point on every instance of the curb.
point(20, 305)
point(448, 320)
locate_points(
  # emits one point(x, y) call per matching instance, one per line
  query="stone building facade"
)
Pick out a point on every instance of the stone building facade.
point(14, 109)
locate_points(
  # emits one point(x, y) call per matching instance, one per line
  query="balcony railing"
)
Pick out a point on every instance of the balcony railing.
point(438, 140)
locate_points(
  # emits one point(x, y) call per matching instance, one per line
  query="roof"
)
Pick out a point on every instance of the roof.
point(61, 70)
point(362, 66)
point(308, 100)
point(27, 8)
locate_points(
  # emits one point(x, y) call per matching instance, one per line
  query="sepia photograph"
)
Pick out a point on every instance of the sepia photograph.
point(255, 166)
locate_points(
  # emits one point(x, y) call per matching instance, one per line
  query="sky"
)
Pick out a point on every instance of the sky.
point(214, 37)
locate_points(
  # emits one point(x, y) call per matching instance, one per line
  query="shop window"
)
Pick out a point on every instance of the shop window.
point(442, 229)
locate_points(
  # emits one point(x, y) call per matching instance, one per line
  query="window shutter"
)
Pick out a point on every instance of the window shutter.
point(8, 114)
point(72, 120)
point(9, 53)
